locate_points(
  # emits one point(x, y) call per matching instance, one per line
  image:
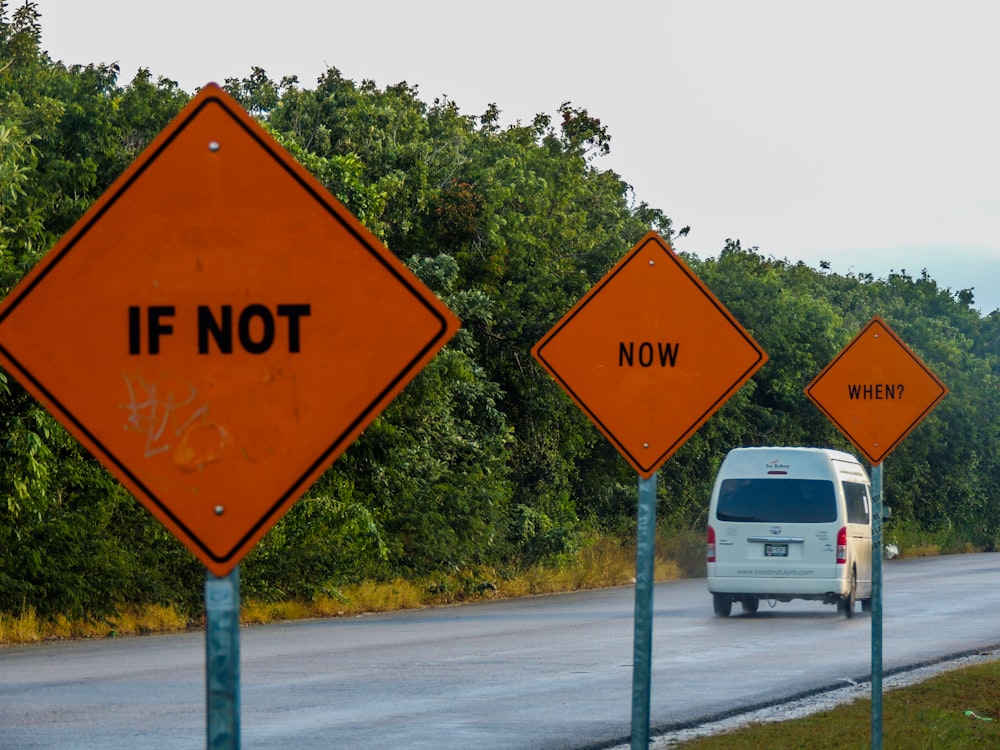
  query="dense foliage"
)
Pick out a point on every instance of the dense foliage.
point(482, 461)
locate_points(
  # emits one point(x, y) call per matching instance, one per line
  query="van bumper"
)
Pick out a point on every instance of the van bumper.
point(782, 586)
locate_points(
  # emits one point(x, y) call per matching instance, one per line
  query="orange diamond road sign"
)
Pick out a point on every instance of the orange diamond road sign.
point(649, 354)
point(876, 390)
point(218, 328)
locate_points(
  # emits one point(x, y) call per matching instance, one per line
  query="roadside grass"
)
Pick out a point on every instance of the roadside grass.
point(131, 620)
point(912, 541)
point(602, 562)
point(956, 710)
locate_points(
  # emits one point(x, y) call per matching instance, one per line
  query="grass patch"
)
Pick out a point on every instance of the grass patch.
point(930, 714)
point(370, 596)
point(23, 628)
point(155, 618)
point(27, 627)
point(257, 612)
point(601, 563)
point(913, 541)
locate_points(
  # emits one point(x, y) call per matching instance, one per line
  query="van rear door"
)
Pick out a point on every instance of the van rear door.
point(776, 526)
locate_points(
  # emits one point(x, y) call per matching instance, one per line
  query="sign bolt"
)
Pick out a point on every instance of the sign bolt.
point(219, 510)
point(213, 146)
point(645, 445)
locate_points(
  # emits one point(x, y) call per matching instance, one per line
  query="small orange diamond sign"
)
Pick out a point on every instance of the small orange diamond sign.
point(876, 390)
point(649, 354)
point(217, 329)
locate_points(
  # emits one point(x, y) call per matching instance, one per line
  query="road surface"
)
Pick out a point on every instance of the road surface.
point(543, 672)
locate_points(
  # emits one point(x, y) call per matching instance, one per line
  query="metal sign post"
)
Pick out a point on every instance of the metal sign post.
point(643, 641)
point(222, 659)
point(876, 391)
point(877, 504)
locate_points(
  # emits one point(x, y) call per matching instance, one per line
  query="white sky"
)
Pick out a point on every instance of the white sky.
point(862, 133)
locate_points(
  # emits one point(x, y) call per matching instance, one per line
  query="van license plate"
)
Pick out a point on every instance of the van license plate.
point(775, 550)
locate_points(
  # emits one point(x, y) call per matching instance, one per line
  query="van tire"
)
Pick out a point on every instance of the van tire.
point(722, 604)
point(846, 605)
point(750, 605)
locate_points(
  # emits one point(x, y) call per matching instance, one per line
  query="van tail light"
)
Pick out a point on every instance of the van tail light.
point(842, 546)
point(711, 544)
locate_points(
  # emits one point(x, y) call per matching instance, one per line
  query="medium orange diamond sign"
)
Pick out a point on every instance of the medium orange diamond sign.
point(218, 328)
point(876, 390)
point(649, 354)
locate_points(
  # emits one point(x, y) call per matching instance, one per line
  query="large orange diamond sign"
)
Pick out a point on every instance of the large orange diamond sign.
point(649, 354)
point(218, 328)
point(876, 390)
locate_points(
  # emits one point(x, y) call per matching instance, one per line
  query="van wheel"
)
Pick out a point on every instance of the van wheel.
point(749, 604)
point(846, 605)
point(723, 605)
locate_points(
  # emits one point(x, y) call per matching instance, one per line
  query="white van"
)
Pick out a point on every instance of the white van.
point(790, 523)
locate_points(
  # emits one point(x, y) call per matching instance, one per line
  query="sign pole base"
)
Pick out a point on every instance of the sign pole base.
point(222, 659)
point(642, 644)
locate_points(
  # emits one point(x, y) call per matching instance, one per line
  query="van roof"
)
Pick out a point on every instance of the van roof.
point(789, 461)
point(778, 449)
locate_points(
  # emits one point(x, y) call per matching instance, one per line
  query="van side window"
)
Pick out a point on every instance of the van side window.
point(777, 501)
point(858, 506)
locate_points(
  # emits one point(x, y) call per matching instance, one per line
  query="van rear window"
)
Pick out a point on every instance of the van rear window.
point(777, 500)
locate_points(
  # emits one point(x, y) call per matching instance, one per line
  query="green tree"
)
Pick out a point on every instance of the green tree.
point(62, 546)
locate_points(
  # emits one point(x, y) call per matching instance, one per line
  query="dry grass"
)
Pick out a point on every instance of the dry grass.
point(921, 550)
point(255, 612)
point(131, 620)
point(599, 565)
point(24, 628)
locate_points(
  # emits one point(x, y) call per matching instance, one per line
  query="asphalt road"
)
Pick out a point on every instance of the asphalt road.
point(544, 672)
